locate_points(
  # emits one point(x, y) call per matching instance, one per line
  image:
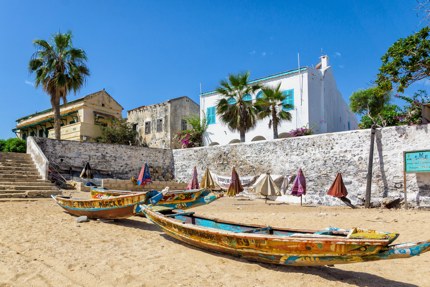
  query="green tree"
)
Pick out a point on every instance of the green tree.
point(119, 132)
point(412, 112)
point(60, 68)
point(272, 105)
point(235, 108)
point(369, 102)
point(389, 116)
point(406, 61)
point(2, 143)
point(192, 137)
point(15, 145)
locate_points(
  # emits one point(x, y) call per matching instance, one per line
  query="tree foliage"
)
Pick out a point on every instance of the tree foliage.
point(390, 115)
point(234, 109)
point(119, 132)
point(271, 105)
point(406, 61)
point(192, 137)
point(60, 68)
point(13, 145)
point(369, 102)
point(412, 112)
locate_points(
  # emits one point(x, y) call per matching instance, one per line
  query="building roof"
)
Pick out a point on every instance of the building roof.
point(65, 105)
point(278, 75)
point(168, 101)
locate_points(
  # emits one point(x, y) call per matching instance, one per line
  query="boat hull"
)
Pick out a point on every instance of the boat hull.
point(282, 250)
point(112, 208)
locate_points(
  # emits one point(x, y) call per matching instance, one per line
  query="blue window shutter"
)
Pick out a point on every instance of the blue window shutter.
point(259, 95)
point(289, 99)
point(231, 101)
point(247, 98)
point(210, 115)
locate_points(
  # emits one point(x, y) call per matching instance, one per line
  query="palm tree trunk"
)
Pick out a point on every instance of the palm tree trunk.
point(55, 102)
point(242, 136)
point(274, 123)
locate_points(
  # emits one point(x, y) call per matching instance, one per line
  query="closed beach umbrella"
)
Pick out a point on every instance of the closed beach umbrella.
point(144, 175)
point(194, 183)
point(284, 185)
point(235, 186)
point(86, 172)
point(338, 188)
point(299, 185)
point(207, 180)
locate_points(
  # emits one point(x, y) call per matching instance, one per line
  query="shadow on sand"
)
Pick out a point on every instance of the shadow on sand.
point(329, 273)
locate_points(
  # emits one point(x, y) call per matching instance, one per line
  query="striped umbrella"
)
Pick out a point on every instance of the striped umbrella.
point(299, 185)
point(194, 183)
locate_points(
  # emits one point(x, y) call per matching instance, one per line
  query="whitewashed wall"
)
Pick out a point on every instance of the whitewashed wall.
point(321, 157)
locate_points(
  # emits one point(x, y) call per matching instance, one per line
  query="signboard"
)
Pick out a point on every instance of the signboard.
point(417, 161)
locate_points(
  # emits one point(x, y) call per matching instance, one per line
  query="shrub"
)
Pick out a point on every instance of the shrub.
point(15, 145)
point(303, 131)
point(2, 143)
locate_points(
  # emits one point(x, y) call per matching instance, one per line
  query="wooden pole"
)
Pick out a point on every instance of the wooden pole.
point(404, 189)
point(370, 167)
point(301, 200)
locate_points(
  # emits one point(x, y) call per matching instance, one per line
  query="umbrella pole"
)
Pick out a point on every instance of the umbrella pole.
point(301, 200)
point(265, 201)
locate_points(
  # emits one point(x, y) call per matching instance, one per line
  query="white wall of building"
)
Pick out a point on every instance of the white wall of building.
point(317, 104)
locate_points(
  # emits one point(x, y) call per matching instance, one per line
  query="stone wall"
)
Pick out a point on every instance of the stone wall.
point(108, 160)
point(119, 184)
point(321, 157)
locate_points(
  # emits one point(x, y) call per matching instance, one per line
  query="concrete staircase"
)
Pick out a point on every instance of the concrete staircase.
point(19, 178)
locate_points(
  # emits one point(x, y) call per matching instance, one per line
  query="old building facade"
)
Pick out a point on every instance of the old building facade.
point(157, 125)
point(313, 93)
point(81, 119)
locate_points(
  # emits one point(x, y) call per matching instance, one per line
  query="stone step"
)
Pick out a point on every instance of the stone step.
point(33, 172)
point(15, 188)
point(14, 155)
point(4, 160)
point(16, 167)
point(30, 193)
point(26, 183)
point(21, 181)
point(7, 177)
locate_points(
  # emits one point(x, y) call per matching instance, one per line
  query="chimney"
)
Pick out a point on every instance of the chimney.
point(324, 62)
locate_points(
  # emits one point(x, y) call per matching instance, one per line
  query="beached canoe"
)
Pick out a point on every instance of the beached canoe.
point(173, 199)
point(117, 207)
point(283, 246)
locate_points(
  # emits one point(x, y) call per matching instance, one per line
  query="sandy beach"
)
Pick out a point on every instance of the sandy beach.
point(40, 245)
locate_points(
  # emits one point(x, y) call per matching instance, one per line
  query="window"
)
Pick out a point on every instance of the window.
point(231, 101)
point(159, 125)
point(259, 95)
point(349, 126)
point(184, 125)
point(247, 98)
point(41, 133)
point(210, 115)
point(135, 127)
point(289, 99)
point(147, 128)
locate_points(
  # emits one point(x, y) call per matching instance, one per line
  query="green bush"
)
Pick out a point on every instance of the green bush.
point(2, 143)
point(15, 145)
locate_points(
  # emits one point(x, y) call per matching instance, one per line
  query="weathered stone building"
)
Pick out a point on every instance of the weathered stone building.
point(158, 124)
point(81, 119)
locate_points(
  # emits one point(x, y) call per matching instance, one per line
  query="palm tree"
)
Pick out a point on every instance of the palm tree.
point(59, 69)
point(272, 105)
point(234, 108)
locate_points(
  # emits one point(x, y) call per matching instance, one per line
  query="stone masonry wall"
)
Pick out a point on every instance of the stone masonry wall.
point(321, 157)
point(117, 161)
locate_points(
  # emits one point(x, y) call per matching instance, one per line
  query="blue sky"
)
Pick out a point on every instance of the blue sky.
point(145, 52)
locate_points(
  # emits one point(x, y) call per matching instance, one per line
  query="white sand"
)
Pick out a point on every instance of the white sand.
point(40, 245)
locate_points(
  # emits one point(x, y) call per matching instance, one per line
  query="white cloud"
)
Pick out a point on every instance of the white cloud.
point(341, 66)
point(337, 54)
point(29, 83)
point(263, 54)
point(252, 52)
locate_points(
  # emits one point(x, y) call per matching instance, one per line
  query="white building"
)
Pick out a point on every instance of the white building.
point(317, 104)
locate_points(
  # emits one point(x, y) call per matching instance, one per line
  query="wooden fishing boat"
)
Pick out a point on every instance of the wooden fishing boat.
point(284, 246)
point(174, 199)
point(117, 207)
